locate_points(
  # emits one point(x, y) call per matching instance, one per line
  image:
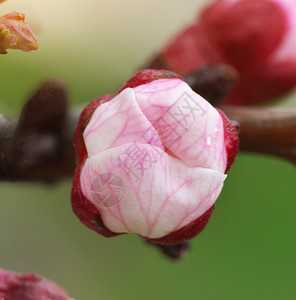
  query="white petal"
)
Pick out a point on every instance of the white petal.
point(139, 188)
point(190, 128)
point(117, 122)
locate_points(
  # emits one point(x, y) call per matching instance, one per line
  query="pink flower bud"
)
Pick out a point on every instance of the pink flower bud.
point(15, 33)
point(257, 37)
point(151, 160)
point(14, 286)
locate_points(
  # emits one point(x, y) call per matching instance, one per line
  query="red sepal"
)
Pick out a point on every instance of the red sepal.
point(187, 232)
point(231, 140)
point(87, 213)
point(85, 116)
point(82, 207)
point(148, 75)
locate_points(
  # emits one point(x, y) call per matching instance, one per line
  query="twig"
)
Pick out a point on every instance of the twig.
point(270, 131)
point(39, 146)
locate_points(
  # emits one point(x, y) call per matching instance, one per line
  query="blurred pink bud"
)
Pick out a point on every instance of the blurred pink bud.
point(15, 33)
point(151, 160)
point(14, 286)
point(257, 37)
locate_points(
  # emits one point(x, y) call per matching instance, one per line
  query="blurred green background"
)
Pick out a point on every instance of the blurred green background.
point(247, 250)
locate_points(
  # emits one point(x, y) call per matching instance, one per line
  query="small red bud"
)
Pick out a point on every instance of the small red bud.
point(15, 286)
point(257, 37)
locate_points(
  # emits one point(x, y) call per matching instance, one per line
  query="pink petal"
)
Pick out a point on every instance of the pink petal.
point(151, 195)
point(189, 127)
point(117, 122)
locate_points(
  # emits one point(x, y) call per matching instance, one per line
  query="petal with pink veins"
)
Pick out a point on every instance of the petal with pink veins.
point(189, 127)
point(153, 195)
point(117, 122)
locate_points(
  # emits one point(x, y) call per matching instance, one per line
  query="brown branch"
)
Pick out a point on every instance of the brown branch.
point(270, 131)
point(39, 146)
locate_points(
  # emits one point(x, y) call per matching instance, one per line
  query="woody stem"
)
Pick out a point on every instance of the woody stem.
point(269, 131)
